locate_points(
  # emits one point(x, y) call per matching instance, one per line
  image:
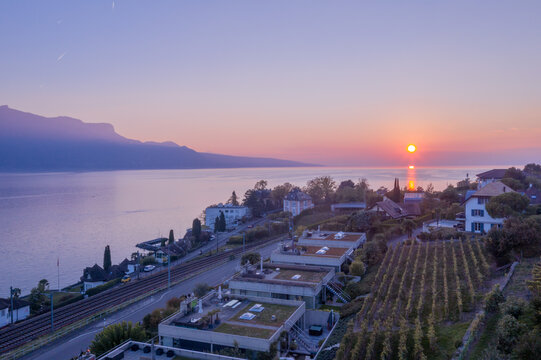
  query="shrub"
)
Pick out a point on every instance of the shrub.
point(508, 333)
point(252, 258)
point(493, 300)
point(357, 268)
point(514, 307)
point(201, 289)
point(103, 287)
point(528, 347)
point(116, 334)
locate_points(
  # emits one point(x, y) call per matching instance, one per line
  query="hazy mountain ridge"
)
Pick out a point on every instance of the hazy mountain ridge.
point(30, 142)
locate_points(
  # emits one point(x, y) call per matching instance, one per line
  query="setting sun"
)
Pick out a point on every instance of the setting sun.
point(411, 148)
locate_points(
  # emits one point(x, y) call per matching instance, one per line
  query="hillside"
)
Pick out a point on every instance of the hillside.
point(30, 142)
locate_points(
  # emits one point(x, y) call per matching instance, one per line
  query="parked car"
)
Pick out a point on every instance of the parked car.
point(250, 226)
point(125, 279)
point(149, 268)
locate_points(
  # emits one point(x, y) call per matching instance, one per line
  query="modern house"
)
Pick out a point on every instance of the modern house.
point(297, 201)
point(284, 281)
point(477, 218)
point(232, 213)
point(248, 326)
point(490, 176)
point(21, 310)
point(349, 240)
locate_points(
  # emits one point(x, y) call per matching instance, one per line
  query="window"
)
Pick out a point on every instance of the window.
point(477, 212)
point(482, 200)
point(477, 227)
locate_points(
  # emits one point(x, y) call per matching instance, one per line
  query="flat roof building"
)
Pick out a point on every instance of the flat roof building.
point(284, 281)
point(333, 239)
point(331, 256)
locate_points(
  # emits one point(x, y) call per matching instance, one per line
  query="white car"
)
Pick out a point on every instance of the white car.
point(149, 268)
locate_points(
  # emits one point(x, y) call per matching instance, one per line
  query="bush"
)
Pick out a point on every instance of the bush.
point(116, 334)
point(508, 333)
point(353, 289)
point(174, 303)
point(103, 287)
point(528, 347)
point(252, 257)
point(357, 268)
point(493, 300)
point(235, 240)
point(201, 289)
point(514, 307)
point(148, 260)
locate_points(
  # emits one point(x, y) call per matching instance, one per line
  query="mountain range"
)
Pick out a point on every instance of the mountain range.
point(30, 142)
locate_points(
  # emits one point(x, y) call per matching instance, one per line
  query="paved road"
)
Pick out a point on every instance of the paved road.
point(400, 239)
point(73, 344)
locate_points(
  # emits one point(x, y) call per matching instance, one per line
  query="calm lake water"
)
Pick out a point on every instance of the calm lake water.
point(72, 216)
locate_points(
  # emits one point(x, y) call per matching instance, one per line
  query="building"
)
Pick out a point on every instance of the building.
point(533, 194)
point(348, 207)
point(93, 276)
point(477, 218)
point(414, 196)
point(232, 213)
point(311, 255)
point(21, 310)
point(284, 281)
point(296, 202)
point(490, 176)
point(389, 209)
point(341, 239)
point(204, 328)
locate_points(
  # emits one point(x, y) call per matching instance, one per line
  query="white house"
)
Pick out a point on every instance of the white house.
point(296, 201)
point(232, 213)
point(490, 176)
point(21, 310)
point(477, 218)
point(93, 276)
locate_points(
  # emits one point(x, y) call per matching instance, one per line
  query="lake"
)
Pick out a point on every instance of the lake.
point(73, 216)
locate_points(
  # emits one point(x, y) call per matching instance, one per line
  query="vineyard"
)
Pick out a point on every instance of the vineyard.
point(416, 288)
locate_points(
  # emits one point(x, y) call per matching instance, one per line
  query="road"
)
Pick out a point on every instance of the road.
point(71, 345)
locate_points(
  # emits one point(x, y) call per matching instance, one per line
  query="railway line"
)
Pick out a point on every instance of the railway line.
point(16, 335)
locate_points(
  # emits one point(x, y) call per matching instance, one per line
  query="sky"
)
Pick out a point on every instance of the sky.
point(327, 82)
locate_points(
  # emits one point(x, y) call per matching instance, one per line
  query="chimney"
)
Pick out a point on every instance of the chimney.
point(504, 189)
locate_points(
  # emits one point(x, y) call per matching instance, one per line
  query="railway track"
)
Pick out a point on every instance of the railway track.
point(16, 335)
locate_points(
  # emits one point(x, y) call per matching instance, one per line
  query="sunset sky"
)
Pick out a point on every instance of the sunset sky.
point(335, 83)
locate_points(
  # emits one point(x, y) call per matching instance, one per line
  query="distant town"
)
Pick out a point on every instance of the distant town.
point(324, 271)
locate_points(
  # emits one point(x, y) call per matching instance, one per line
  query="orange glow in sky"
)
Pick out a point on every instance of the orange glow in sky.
point(412, 167)
point(411, 148)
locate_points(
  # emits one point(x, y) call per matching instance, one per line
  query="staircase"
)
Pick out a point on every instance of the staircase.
point(302, 340)
point(335, 289)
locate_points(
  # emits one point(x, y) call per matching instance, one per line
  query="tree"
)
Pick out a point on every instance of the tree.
point(409, 226)
point(107, 259)
point(450, 195)
point(196, 228)
point(43, 285)
point(346, 184)
point(357, 268)
point(233, 199)
point(373, 251)
point(508, 333)
point(37, 296)
point(395, 194)
point(217, 224)
point(223, 224)
point(279, 193)
point(507, 204)
point(171, 237)
point(254, 202)
point(163, 240)
point(321, 188)
point(493, 300)
point(260, 185)
point(253, 258)
point(116, 334)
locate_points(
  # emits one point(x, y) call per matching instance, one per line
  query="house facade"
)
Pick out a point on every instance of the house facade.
point(297, 201)
point(477, 218)
point(490, 176)
point(21, 310)
point(232, 214)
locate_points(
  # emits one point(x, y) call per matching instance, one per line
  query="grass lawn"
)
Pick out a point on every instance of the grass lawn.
point(488, 335)
point(282, 312)
point(244, 331)
point(448, 336)
point(307, 220)
point(307, 276)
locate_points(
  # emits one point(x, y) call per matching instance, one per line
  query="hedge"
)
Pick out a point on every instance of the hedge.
point(103, 287)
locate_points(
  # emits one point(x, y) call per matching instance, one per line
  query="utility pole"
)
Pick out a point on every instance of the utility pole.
point(168, 271)
point(138, 265)
point(243, 242)
point(217, 242)
point(52, 314)
point(11, 299)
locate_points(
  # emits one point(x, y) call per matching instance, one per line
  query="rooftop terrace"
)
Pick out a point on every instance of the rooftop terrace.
point(285, 274)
